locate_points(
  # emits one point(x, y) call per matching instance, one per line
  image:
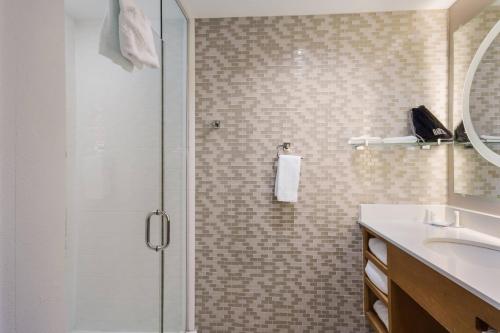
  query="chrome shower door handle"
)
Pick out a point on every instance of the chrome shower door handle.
point(165, 240)
point(165, 220)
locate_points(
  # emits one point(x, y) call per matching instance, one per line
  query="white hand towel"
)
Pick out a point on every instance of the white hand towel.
point(136, 36)
point(378, 278)
point(286, 186)
point(401, 139)
point(109, 43)
point(364, 139)
point(378, 248)
point(382, 312)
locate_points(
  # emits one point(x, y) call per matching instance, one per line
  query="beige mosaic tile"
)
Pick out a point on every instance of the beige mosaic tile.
point(315, 81)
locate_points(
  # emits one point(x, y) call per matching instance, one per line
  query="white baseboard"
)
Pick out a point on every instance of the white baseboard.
point(106, 332)
point(111, 332)
point(125, 332)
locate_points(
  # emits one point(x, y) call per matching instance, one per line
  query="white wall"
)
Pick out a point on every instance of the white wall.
point(71, 243)
point(33, 122)
point(7, 184)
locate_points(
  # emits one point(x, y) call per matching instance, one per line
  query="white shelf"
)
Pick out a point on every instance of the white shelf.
point(469, 145)
point(413, 145)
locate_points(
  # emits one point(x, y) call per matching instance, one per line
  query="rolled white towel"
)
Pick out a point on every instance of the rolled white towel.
point(401, 139)
point(360, 140)
point(378, 278)
point(382, 312)
point(378, 248)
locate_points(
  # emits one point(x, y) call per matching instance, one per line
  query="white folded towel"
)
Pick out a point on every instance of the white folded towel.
point(109, 43)
point(490, 138)
point(136, 36)
point(382, 312)
point(286, 186)
point(378, 248)
point(401, 139)
point(364, 139)
point(378, 278)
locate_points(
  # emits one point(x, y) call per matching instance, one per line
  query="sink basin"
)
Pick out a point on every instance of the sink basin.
point(464, 252)
point(463, 237)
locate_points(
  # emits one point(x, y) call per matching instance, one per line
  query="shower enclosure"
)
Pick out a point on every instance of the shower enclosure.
point(127, 144)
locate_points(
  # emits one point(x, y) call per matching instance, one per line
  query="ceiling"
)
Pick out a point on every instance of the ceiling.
point(95, 9)
point(232, 8)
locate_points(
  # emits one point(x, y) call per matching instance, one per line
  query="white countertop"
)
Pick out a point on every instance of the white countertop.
point(475, 269)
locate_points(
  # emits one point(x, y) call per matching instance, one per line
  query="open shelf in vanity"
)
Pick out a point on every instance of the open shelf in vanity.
point(371, 293)
point(419, 299)
point(405, 315)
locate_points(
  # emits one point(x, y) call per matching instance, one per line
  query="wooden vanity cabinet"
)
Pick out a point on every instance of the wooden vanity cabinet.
point(421, 300)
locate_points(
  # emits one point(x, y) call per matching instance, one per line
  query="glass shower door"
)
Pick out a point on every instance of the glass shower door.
point(126, 148)
point(175, 164)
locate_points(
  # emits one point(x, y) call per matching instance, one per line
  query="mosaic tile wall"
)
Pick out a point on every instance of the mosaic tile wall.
point(473, 175)
point(314, 81)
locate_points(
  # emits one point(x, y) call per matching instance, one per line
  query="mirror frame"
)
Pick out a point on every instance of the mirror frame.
point(474, 138)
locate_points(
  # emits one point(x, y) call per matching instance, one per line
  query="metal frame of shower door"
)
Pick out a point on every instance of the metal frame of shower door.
point(162, 177)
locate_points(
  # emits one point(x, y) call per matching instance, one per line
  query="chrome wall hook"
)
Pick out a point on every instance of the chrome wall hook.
point(285, 146)
point(216, 124)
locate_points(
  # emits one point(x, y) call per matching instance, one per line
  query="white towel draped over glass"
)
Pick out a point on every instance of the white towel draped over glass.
point(136, 36)
point(127, 36)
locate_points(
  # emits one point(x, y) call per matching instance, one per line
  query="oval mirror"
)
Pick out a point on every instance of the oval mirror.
point(481, 103)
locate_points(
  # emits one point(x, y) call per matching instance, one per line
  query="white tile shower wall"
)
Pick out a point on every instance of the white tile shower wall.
point(315, 81)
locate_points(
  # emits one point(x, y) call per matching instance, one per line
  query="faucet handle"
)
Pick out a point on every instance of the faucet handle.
point(457, 219)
